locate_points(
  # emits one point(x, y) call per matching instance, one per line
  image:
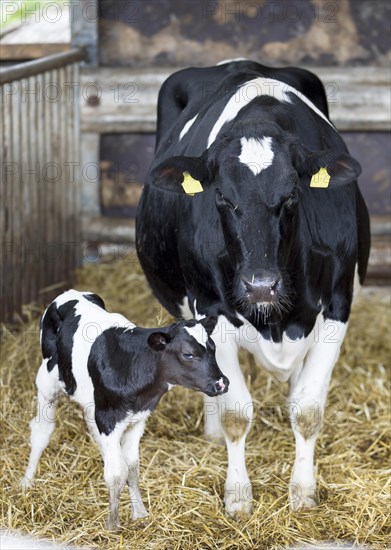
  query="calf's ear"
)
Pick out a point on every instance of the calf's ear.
point(209, 323)
point(185, 175)
point(326, 168)
point(158, 340)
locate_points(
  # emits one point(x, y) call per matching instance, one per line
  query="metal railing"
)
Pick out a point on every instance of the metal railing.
point(39, 186)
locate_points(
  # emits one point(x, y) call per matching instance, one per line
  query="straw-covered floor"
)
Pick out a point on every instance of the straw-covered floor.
point(182, 475)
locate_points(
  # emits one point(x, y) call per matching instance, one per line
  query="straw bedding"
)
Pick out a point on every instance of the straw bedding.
point(182, 475)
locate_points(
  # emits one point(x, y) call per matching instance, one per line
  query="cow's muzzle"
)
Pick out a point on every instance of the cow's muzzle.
point(262, 287)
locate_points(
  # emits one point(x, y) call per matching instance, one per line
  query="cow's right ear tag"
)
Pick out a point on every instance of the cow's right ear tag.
point(190, 185)
point(321, 179)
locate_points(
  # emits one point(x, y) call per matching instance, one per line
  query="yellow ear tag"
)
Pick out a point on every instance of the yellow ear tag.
point(320, 179)
point(190, 185)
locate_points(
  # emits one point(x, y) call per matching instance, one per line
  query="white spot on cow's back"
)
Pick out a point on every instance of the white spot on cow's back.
point(187, 127)
point(225, 61)
point(198, 333)
point(255, 88)
point(256, 154)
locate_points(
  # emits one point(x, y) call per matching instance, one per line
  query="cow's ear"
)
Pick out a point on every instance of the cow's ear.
point(209, 323)
point(331, 169)
point(325, 168)
point(158, 340)
point(185, 175)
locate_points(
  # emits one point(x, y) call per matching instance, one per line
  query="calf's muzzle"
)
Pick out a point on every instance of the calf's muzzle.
point(217, 387)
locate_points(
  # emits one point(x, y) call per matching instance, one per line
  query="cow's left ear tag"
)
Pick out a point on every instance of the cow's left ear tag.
point(190, 185)
point(320, 179)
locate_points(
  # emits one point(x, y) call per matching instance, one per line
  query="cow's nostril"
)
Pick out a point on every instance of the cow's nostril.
point(261, 288)
point(274, 287)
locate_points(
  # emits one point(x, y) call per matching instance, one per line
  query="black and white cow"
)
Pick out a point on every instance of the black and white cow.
point(117, 372)
point(265, 227)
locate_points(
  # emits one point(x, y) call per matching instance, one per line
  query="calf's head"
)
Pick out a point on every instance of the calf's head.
point(187, 356)
point(258, 175)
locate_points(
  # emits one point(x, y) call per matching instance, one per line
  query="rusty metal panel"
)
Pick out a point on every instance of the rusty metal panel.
point(39, 186)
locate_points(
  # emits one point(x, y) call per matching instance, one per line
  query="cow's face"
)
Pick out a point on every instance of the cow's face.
point(257, 180)
point(187, 356)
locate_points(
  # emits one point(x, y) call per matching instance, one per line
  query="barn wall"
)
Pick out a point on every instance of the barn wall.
point(183, 32)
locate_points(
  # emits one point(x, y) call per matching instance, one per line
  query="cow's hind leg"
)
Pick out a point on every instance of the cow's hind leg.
point(307, 398)
point(231, 416)
point(42, 425)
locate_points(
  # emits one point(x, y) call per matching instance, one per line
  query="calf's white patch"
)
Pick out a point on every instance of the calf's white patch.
point(199, 333)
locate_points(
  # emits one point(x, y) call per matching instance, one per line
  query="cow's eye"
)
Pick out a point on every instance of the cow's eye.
point(188, 356)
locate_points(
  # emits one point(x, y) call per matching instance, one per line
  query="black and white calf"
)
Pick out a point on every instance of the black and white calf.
point(117, 372)
point(251, 211)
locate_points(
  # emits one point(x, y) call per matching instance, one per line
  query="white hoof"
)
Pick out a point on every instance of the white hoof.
point(301, 498)
point(139, 513)
point(239, 501)
point(26, 483)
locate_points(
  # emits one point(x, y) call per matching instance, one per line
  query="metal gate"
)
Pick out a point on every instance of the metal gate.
point(39, 189)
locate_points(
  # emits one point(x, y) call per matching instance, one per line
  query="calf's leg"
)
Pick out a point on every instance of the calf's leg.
point(42, 425)
point(130, 451)
point(115, 471)
point(307, 399)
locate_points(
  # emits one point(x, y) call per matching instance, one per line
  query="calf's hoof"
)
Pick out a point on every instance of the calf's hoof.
point(301, 498)
point(25, 483)
point(139, 514)
point(113, 525)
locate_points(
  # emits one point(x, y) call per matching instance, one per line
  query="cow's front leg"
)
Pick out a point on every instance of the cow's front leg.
point(130, 451)
point(307, 399)
point(231, 416)
point(115, 471)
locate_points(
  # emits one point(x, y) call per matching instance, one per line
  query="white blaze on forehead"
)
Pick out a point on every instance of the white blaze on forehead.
point(255, 88)
point(256, 153)
point(199, 333)
point(187, 126)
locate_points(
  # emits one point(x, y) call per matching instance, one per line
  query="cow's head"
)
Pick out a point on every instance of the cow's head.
point(257, 177)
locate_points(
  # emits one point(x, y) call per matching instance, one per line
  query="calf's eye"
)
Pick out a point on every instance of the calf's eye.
point(188, 356)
